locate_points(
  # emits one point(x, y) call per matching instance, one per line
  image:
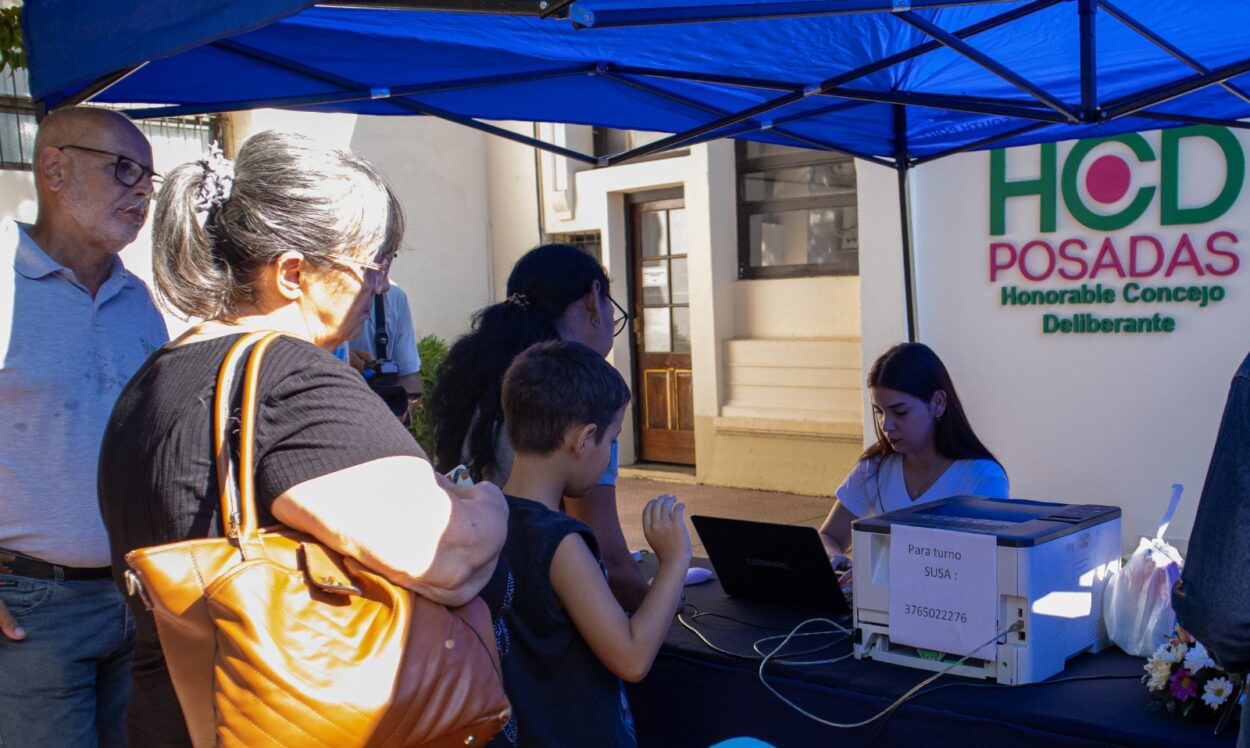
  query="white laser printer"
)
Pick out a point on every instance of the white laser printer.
point(1053, 561)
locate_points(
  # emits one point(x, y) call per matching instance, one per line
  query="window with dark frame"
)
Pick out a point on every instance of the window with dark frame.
point(587, 241)
point(17, 120)
point(182, 138)
point(797, 212)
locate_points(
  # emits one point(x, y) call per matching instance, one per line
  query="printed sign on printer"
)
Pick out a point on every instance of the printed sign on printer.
point(943, 590)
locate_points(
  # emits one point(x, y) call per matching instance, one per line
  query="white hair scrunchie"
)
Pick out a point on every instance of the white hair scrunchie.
point(218, 179)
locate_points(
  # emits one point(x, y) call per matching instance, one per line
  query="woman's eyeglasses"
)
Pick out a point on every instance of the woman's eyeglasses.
point(382, 268)
point(126, 170)
point(622, 319)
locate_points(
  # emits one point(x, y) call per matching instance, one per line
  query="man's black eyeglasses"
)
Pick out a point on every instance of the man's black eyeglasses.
point(126, 170)
point(622, 318)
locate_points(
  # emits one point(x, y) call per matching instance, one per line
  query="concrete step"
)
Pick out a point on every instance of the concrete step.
point(815, 415)
point(790, 376)
point(794, 352)
point(783, 397)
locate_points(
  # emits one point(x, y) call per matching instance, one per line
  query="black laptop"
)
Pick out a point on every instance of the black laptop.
point(765, 561)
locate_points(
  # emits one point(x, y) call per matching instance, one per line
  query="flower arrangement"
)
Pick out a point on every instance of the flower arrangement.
point(1182, 677)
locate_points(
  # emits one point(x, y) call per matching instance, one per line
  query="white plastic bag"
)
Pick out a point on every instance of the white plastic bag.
point(1137, 604)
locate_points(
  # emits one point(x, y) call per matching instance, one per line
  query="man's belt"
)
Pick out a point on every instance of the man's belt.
point(25, 566)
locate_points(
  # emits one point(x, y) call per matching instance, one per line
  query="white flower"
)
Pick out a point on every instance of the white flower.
point(1216, 692)
point(1159, 671)
point(1198, 658)
point(1175, 652)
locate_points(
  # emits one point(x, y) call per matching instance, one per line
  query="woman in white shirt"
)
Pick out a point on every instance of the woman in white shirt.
point(926, 450)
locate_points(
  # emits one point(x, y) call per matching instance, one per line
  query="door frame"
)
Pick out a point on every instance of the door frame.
point(633, 263)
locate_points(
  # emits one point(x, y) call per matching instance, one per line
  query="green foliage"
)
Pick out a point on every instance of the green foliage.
point(433, 350)
point(12, 52)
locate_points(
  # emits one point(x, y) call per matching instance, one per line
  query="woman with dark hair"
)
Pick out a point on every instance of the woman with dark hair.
point(555, 292)
point(926, 450)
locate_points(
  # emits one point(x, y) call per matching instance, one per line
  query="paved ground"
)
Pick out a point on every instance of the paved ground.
point(632, 493)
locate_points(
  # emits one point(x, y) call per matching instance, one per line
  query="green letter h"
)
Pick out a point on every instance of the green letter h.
point(1001, 189)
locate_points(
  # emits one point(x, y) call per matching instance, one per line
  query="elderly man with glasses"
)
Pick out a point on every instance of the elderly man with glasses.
point(74, 327)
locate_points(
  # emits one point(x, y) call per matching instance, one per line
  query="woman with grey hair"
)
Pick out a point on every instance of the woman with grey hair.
point(297, 238)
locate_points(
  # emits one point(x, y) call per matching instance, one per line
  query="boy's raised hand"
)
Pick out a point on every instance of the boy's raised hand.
point(665, 529)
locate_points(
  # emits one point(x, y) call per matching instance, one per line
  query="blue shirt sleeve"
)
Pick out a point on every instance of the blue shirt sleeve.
point(609, 476)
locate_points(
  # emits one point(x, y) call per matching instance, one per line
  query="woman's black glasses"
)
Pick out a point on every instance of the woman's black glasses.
point(622, 318)
point(126, 170)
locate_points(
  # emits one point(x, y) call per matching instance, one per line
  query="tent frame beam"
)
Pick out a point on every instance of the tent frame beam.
point(489, 7)
point(404, 103)
point(960, 47)
point(749, 11)
point(1167, 46)
point(1127, 105)
point(825, 87)
point(709, 109)
point(346, 95)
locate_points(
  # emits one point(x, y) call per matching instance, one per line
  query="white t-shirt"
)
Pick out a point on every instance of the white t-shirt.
point(868, 491)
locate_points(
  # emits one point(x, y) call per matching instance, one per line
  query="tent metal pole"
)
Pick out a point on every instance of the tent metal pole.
point(801, 92)
point(1089, 61)
point(346, 95)
point(1190, 119)
point(87, 92)
point(554, 8)
point(492, 7)
point(982, 143)
point(957, 45)
point(1168, 47)
point(404, 103)
point(902, 166)
point(806, 141)
point(976, 104)
point(743, 11)
point(1131, 105)
point(657, 91)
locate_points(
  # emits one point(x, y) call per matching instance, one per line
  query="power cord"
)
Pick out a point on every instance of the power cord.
point(836, 628)
point(1018, 625)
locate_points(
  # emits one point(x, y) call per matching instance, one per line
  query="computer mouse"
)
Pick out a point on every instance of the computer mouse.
point(698, 575)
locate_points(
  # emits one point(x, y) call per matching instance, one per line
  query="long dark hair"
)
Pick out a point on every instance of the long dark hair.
point(542, 285)
point(914, 369)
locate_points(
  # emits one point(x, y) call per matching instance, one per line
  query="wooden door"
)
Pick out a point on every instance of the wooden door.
point(661, 309)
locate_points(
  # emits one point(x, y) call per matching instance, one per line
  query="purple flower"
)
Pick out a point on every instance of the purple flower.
point(1184, 685)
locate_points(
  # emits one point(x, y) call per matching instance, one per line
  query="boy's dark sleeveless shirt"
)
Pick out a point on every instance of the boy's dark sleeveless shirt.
point(157, 482)
point(561, 694)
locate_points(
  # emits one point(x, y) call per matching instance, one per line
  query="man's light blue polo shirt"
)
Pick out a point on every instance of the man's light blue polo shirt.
point(64, 359)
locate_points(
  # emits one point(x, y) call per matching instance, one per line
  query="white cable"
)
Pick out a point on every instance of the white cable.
point(838, 629)
point(897, 703)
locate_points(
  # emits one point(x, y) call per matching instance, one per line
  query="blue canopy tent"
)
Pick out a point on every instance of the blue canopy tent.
point(896, 82)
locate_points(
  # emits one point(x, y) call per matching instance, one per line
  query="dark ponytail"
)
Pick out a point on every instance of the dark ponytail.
point(465, 404)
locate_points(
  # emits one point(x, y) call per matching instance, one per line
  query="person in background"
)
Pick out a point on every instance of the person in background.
point(297, 238)
point(926, 450)
point(1212, 599)
point(555, 292)
point(565, 642)
point(401, 344)
point(76, 325)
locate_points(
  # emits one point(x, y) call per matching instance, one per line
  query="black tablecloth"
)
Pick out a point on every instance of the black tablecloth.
point(696, 697)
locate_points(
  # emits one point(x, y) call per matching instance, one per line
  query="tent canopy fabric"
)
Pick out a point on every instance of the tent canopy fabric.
point(896, 81)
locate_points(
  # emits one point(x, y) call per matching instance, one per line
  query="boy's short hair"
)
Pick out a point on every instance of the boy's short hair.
point(554, 386)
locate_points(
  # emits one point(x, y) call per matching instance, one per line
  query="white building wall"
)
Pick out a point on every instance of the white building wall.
point(1095, 418)
point(438, 170)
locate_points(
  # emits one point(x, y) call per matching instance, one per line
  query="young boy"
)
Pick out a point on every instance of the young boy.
point(565, 643)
